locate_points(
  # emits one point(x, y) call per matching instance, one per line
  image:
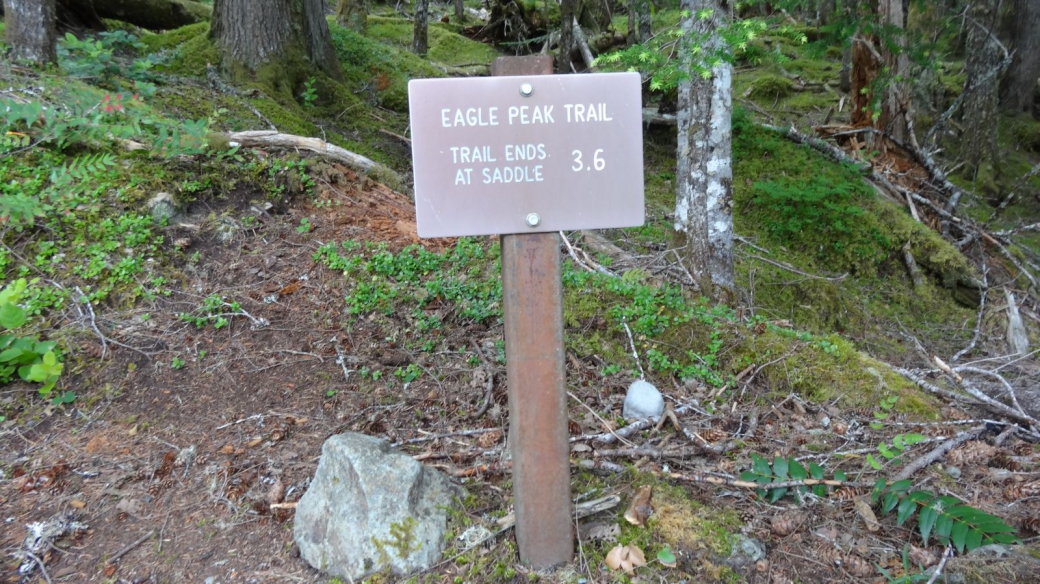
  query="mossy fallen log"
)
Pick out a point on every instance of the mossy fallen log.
point(153, 14)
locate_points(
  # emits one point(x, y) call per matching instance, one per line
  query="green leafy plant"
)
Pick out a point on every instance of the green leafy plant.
point(97, 59)
point(33, 360)
point(408, 374)
point(886, 404)
point(215, 310)
point(944, 517)
point(892, 452)
point(782, 469)
point(309, 94)
point(305, 226)
point(177, 362)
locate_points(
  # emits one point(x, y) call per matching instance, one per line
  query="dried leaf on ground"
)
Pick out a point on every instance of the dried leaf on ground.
point(639, 510)
point(625, 558)
point(866, 513)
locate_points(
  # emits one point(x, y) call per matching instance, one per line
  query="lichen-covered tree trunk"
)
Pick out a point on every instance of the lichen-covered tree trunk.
point(420, 43)
point(1022, 88)
point(980, 100)
point(30, 30)
point(704, 164)
point(277, 42)
point(352, 15)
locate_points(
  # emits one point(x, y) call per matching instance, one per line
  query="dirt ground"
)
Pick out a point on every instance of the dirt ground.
point(170, 470)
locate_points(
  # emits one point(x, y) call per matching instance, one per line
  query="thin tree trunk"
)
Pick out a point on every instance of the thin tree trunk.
point(30, 30)
point(871, 57)
point(420, 43)
point(980, 101)
point(459, 10)
point(1022, 85)
point(264, 37)
point(704, 169)
point(563, 58)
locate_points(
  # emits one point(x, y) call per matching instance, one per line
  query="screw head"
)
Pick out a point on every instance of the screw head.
point(526, 89)
point(533, 219)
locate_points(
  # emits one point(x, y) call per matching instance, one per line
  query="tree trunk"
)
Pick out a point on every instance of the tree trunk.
point(704, 169)
point(278, 42)
point(980, 100)
point(872, 58)
point(825, 10)
point(1021, 90)
point(420, 42)
point(30, 30)
point(352, 15)
point(563, 58)
point(459, 11)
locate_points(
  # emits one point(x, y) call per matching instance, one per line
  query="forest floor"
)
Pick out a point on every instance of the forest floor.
point(297, 302)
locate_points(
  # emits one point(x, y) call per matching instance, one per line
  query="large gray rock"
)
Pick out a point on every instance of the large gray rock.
point(642, 401)
point(371, 509)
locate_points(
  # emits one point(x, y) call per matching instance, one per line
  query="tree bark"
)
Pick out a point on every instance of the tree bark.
point(459, 10)
point(704, 166)
point(563, 58)
point(278, 42)
point(1022, 86)
point(639, 21)
point(352, 15)
point(30, 30)
point(872, 58)
point(420, 42)
point(980, 99)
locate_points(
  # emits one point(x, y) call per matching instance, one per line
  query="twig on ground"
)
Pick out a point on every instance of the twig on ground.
point(938, 452)
point(129, 548)
point(433, 437)
point(947, 554)
point(93, 320)
point(574, 256)
point(637, 426)
point(978, 318)
point(1007, 386)
point(635, 353)
point(980, 398)
point(39, 564)
point(795, 270)
point(341, 359)
point(600, 418)
point(237, 422)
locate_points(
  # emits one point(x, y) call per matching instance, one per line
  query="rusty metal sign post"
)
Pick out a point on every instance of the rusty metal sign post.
point(529, 158)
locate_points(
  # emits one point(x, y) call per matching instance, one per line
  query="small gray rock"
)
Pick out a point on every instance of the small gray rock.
point(370, 508)
point(954, 472)
point(746, 550)
point(162, 207)
point(642, 401)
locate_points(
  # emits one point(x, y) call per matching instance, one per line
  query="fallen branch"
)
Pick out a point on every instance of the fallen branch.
point(980, 399)
point(432, 437)
point(938, 452)
point(269, 138)
point(978, 318)
point(115, 557)
point(794, 270)
point(637, 426)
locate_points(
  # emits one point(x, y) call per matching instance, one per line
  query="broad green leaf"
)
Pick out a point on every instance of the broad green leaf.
point(12, 354)
point(900, 486)
point(906, 509)
point(897, 441)
point(879, 488)
point(926, 521)
point(959, 535)
point(911, 439)
point(666, 557)
point(820, 490)
point(840, 476)
point(974, 539)
point(890, 502)
point(873, 463)
point(943, 525)
point(816, 471)
point(796, 470)
point(12, 316)
point(777, 494)
point(780, 467)
point(760, 465)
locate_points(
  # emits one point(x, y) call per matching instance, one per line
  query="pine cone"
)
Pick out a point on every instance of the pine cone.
point(787, 522)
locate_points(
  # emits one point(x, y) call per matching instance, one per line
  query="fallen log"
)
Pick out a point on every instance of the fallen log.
point(273, 139)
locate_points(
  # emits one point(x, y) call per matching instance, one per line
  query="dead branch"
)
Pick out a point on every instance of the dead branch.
point(432, 437)
point(978, 319)
point(795, 270)
point(269, 138)
point(980, 398)
point(723, 448)
point(115, 557)
point(816, 144)
point(911, 266)
point(637, 426)
point(583, 45)
point(938, 452)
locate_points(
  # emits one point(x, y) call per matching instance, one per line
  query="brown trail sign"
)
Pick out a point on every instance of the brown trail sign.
point(530, 153)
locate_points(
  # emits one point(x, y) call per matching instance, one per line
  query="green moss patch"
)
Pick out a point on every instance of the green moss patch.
point(445, 46)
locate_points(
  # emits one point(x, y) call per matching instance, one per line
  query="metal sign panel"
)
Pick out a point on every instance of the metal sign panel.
point(527, 154)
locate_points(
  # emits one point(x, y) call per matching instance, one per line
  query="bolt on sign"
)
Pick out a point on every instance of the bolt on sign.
point(527, 154)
